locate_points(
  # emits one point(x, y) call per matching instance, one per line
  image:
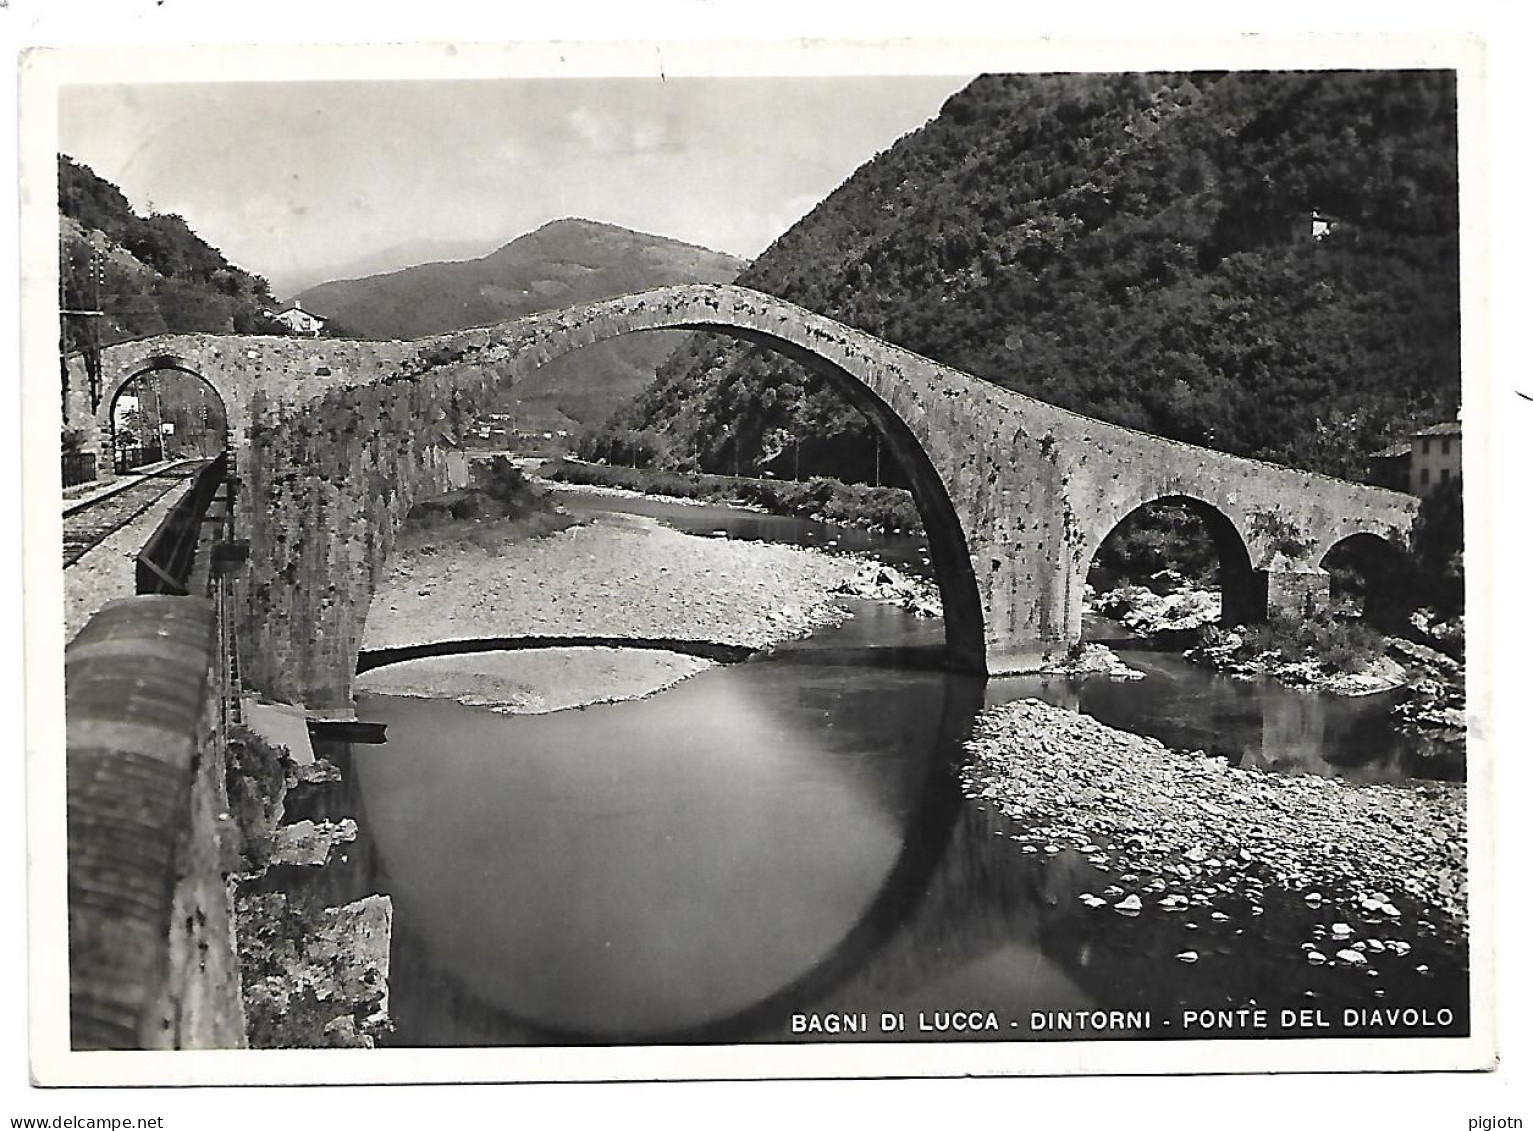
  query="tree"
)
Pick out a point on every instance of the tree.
point(1437, 549)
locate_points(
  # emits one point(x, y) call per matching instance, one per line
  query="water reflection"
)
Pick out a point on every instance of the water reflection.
point(672, 869)
point(786, 837)
point(1256, 723)
point(766, 840)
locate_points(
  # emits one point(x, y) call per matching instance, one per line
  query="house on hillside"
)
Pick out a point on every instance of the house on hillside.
point(1431, 458)
point(300, 321)
point(1436, 456)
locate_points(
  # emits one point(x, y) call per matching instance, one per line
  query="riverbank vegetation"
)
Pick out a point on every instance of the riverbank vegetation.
point(888, 510)
point(499, 505)
point(1297, 649)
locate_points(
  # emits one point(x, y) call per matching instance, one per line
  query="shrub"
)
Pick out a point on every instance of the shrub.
point(1341, 643)
point(1210, 635)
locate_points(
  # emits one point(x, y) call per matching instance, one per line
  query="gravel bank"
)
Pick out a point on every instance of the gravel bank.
point(1185, 823)
point(534, 683)
point(619, 575)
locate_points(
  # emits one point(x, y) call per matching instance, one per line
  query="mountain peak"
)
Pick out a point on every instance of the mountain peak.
point(565, 261)
point(583, 228)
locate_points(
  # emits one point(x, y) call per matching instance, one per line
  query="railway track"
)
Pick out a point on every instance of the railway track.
point(89, 524)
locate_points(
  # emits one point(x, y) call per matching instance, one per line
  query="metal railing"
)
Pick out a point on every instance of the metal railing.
point(78, 467)
point(165, 563)
point(137, 455)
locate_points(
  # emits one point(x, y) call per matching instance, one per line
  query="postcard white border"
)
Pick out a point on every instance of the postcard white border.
point(43, 72)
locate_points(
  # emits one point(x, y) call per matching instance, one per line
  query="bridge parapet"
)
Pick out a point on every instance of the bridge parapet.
point(151, 952)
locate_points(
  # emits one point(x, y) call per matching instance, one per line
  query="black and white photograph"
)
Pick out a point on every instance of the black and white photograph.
point(927, 563)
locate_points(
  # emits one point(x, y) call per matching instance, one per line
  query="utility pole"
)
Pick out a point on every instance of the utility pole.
point(90, 346)
point(152, 384)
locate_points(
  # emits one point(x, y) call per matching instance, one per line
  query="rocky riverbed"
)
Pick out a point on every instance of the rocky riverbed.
point(1092, 659)
point(1186, 609)
point(1141, 610)
point(311, 975)
point(1169, 830)
point(619, 575)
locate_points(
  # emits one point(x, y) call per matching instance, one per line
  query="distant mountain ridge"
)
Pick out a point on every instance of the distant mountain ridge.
point(563, 262)
point(380, 261)
point(560, 264)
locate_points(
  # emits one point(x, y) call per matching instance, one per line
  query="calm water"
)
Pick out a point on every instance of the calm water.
point(784, 839)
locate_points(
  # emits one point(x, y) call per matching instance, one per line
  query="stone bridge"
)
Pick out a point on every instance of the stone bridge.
point(337, 440)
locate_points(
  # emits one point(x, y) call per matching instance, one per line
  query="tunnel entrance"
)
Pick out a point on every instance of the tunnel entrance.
point(165, 412)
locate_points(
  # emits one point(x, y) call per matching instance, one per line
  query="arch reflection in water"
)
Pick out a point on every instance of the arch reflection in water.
point(820, 859)
point(691, 867)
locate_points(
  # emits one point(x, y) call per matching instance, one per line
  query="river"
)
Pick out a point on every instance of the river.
point(772, 847)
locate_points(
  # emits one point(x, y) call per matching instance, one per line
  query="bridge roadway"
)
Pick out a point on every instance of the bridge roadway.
point(339, 439)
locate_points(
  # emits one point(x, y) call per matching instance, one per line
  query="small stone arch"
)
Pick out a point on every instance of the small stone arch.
point(1236, 564)
point(1370, 572)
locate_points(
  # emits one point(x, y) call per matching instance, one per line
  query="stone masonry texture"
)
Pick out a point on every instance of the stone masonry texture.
point(337, 440)
point(151, 955)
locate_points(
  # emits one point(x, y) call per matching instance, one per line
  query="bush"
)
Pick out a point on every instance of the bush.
point(500, 505)
point(1210, 635)
point(629, 447)
point(1341, 643)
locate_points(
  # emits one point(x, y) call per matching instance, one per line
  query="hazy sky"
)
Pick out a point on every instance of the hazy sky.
point(296, 180)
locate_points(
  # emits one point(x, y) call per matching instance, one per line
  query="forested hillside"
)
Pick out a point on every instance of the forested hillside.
point(151, 275)
point(1262, 263)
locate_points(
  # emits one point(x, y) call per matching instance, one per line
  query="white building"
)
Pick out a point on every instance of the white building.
point(300, 321)
point(1436, 457)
